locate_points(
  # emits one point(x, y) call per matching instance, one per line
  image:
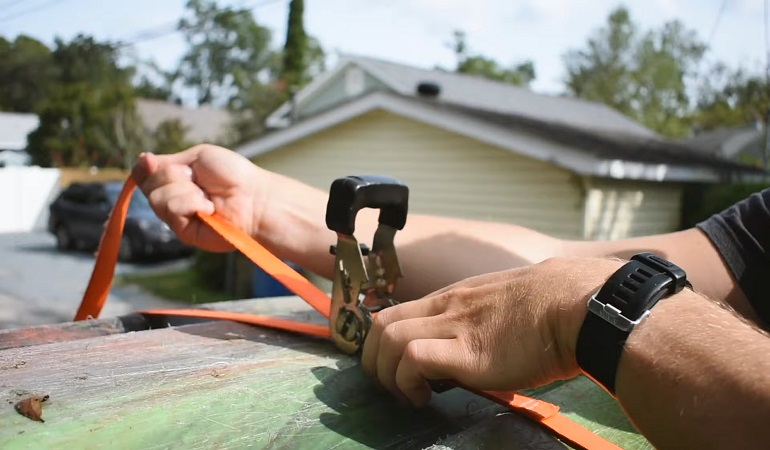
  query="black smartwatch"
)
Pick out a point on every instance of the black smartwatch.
point(613, 312)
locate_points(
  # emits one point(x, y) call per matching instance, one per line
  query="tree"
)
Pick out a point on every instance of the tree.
point(145, 88)
point(520, 74)
point(228, 53)
point(315, 58)
point(295, 50)
point(171, 137)
point(642, 75)
point(89, 116)
point(26, 74)
point(731, 97)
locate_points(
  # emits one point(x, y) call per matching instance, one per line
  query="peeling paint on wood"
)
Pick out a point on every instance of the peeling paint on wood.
point(228, 385)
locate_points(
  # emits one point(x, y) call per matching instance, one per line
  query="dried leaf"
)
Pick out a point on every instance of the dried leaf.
point(31, 407)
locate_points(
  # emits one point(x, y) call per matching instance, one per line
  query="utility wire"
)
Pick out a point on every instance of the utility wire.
point(697, 75)
point(172, 27)
point(766, 150)
point(717, 22)
point(24, 12)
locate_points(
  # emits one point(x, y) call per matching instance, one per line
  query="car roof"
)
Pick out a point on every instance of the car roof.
point(111, 185)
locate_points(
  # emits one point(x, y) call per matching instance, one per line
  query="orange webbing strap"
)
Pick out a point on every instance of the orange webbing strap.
point(308, 329)
point(546, 414)
point(107, 257)
point(260, 256)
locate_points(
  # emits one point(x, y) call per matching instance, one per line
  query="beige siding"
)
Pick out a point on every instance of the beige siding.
point(447, 173)
point(618, 209)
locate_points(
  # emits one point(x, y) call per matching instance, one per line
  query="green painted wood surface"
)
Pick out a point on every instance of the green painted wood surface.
point(226, 385)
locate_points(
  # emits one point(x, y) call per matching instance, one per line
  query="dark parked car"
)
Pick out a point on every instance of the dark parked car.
point(78, 215)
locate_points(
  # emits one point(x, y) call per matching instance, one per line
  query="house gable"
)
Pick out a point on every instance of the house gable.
point(346, 85)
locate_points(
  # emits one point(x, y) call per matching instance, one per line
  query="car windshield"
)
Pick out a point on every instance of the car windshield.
point(139, 202)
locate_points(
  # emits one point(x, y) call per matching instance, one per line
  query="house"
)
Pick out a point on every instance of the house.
point(746, 144)
point(14, 128)
point(202, 124)
point(475, 148)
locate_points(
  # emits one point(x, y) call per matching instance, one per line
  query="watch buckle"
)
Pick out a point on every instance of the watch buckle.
point(613, 315)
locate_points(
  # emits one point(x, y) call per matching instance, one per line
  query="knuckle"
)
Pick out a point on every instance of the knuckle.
point(455, 295)
point(175, 205)
point(390, 335)
point(551, 262)
point(202, 147)
point(381, 320)
point(411, 353)
point(157, 200)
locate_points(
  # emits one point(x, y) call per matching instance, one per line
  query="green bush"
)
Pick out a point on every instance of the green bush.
point(211, 269)
point(702, 201)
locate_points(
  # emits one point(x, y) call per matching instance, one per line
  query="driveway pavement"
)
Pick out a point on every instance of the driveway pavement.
point(39, 284)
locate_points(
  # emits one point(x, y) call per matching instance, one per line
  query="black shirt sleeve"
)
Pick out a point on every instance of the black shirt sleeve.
point(741, 234)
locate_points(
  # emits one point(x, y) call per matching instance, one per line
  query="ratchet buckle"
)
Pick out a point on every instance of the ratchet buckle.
point(363, 286)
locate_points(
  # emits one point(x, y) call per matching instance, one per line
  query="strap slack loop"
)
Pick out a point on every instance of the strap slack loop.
point(106, 257)
point(544, 413)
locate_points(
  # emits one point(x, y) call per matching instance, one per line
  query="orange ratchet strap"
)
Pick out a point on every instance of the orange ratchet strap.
point(544, 413)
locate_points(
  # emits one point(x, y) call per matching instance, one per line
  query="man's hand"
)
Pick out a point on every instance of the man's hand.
point(503, 331)
point(203, 179)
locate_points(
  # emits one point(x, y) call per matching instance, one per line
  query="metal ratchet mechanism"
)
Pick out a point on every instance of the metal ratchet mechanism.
point(362, 287)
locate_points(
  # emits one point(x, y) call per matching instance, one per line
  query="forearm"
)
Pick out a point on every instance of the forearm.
point(689, 249)
point(433, 251)
point(438, 251)
point(694, 375)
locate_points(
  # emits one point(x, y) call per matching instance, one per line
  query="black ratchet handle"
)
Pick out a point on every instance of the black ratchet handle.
point(350, 194)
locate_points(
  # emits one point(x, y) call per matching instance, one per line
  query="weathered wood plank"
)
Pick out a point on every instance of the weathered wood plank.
point(227, 385)
point(287, 307)
point(215, 385)
point(44, 334)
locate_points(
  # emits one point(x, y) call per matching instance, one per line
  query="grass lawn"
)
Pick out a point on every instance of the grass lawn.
point(179, 285)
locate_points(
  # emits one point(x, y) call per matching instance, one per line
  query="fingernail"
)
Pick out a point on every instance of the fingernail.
point(188, 171)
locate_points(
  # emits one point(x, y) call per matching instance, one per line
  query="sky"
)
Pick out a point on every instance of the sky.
point(415, 32)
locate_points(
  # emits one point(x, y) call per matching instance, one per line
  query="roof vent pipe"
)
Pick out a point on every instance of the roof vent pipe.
point(428, 89)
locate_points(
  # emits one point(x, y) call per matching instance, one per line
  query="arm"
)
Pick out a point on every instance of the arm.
point(693, 374)
point(293, 225)
point(689, 249)
point(287, 216)
point(431, 246)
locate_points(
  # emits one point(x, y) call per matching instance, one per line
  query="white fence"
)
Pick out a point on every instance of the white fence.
point(25, 193)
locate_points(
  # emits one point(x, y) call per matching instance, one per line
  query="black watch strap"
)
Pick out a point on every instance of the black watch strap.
point(613, 312)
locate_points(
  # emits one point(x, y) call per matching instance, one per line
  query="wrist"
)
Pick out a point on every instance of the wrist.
point(571, 311)
point(289, 221)
point(622, 303)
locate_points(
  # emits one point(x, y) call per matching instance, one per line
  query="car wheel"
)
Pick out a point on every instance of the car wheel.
point(64, 240)
point(126, 251)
